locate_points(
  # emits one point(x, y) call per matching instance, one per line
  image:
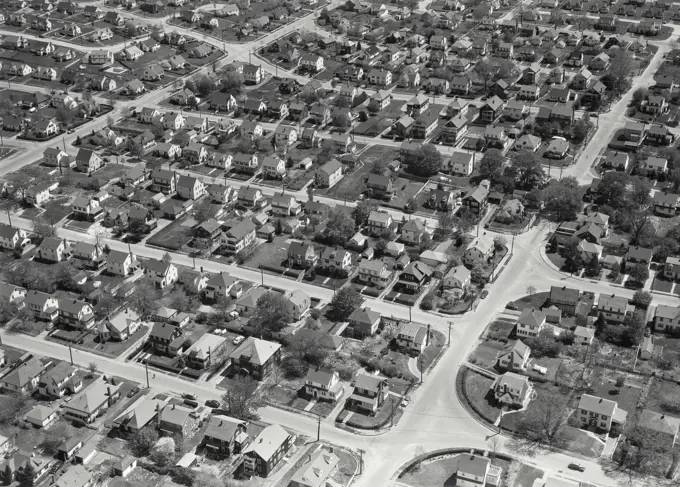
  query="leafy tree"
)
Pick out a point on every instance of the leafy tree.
point(544, 345)
point(205, 86)
point(204, 211)
point(307, 347)
point(593, 267)
point(141, 442)
point(43, 229)
point(612, 189)
point(144, 300)
point(581, 129)
point(639, 273)
point(639, 225)
point(163, 452)
point(528, 168)
point(666, 248)
point(362, 210)
point(500, 242)
point(55, 436)
point(344, 302)
point(11, 406)
point(7, 311)
point(642, 299)
point(241, 402)
point(486, 71)
point(491, 165)
point(427, 161)
point(340, 224)
point(546, 424)
point(641, 189)
point(563, 198)
point(26, 474)
point(273, 313)
point(340, 120)
point(182, 301)
point(232, 82)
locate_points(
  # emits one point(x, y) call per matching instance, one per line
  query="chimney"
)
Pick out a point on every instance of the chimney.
point(108, 391)
point(427, 336)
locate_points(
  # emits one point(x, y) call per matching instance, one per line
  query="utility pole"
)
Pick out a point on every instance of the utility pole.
point(262, 275)
point(146, 368)
point(392, 412)
point(449, 340)
point(409, 313)
point(420, 364)
point(9, 217)
point(512, 248)
point(193, 257)
point(318, 428)
point(70, 352)
point(361, 460)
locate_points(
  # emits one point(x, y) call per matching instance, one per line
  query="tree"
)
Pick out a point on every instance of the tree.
point(622, 70)
point(340, 224)
point(340, 120)
point(639, 273)
point(641, 189)
point(581, 129)
point(639, 225)
point(55, 436)
point(205, 86)
point(531, 290)
point(544, 345)
point(26, 475)
point(507, 70)
point(362, 210)
point(163, 452)
point(272, 313)
point(486, 71)
point(307, 347)
point(241, 401)
point(593, 267)
point(204, 211)
point(612, 189)
point(642, 299)
point(491, 165)
point(144, 300)
point(528, 168)
point(546, 424)
point(500, 242)
point(639, 95)
point(232, 82)
point(182, 301)
point(344, 302)
point(141, 442)
point(563, 198)
point(427, 161)
point(64, 115)
point(92, 367)
point(446, 223)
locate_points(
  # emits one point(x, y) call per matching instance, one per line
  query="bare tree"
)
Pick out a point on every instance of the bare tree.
point(531, 290)
point(494, 445)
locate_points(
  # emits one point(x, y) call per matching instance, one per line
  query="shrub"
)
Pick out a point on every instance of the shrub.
point(315, 313)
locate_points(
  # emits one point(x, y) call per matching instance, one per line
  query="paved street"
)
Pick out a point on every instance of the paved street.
point(435, 418)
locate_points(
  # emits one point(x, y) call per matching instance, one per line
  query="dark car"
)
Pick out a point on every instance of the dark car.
point(485, 294)
point(133, 392)
point(212, 403)
point(576, 466)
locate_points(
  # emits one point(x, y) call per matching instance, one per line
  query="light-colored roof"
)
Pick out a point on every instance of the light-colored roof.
point(206, 344)
point(597, 405)
point(268, 441)
point(258, 351)
point(583, 332)
point(91, 399)
point(473, 465)
point(139, 413)
point(661, 423)
point(315, 471)
point(612, 301)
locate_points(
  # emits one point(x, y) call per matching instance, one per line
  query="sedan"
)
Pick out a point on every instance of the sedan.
point(576, 466)
point(484, 294)
point(212, 403)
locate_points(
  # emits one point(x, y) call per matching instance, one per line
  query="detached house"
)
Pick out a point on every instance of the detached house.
point(515, 356)
point(530, 323)
point(369, 394)
point(512, 389)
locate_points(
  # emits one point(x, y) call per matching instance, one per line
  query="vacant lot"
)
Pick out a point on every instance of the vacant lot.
point(534, 301)
point(486, 353)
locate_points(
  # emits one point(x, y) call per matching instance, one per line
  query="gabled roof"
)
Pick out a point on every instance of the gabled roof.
point(268, 442)
point(365, 316)
point(258, 352)
point(661, 423)
point(531, 317)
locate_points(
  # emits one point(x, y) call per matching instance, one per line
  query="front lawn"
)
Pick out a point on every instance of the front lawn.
point(533, 301)
point(662, 285)
point(477, 391)
point(627, 397)
point(664, 397)
point(486, 353)
point(526, 474)
point(441, 472)
point(381, 418)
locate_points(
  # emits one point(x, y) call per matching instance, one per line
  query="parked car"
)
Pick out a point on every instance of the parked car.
point(238, 339)
point(485, 293)
point(212, 403)
point(189, 396)
point(576, 466)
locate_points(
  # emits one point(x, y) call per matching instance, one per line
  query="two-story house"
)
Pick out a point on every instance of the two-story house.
point(265, 452)
point(255, 357)
point(530, 323)
point(163, 273)
point(121, 263)
point(613, 308)
point(379, 222)
point(323, 384)
point(599, 413)
point(226, 436)
point(374, 272)
point(512, 390)
point(369, 394)
point(514, 356)
point(413, 338)
point(53, 249)
point(302, 255)
point(364, 322)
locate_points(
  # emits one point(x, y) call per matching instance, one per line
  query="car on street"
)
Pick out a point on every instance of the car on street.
point(189, 396)
point(133, 392)
point(212, 403)
point(405, 401)
point(485, 294)
point(576, 466)
point(238, 339)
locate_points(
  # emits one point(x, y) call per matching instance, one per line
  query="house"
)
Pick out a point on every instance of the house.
point(163, 181)
point(637, 255)
point(512, 390)
point(246, 163)
point(478, 250)
point(329, 174)
point(369, 394)
point(380, 186)
point(323, 384)
point(91, 255)
point(564, 298)
point(92, 402)
point(557, 149)
point(12, 293)
point(438, 42)
point(380, 77)
point(177, 420)
point(88, 161)
point(663, 427)
point(68, 448)
point(40, 416)
point(12, 238)
point(76, 314)
point(122, 325)
point(413, 231)
point(285, 135)
point(589, 251)
point(42, 305)
point(163, 273)
point(266, 451)
point(654, 166)
point(530, 323)
point(317, 469)
point(302, 254)
point(665, 203)
point(53, 249)
point(364, 322)
point(613, 308)
point(634, 131)
point(250, 197)
point(239, 236)
point(660, 135)
point(19, 461)
point(252, 74)
point(667, 318)
point(24, 378)
point(457, 278)
point(491, 110)
point(474, 470)
point(413, 338)
point(226, 436)
point(647, 348)
point(165, 338)
point(255, 357)
point(86, 209)
point(425, 125)
point(190, 188)
point(335, 260)
point(120, 263)
point(414, 276)
point(584, 336)
point(514, 356)
point(206, 352)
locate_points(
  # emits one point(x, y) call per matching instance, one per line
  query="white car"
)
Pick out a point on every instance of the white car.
point(233, 314)
point(238, 339)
